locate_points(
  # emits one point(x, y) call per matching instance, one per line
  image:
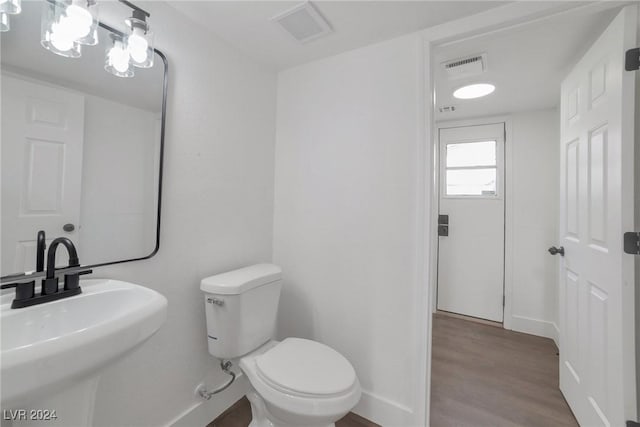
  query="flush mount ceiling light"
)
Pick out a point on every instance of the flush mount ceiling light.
point(477, 90)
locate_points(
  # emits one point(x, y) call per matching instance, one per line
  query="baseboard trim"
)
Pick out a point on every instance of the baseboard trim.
point(541, 328)
point(383, 411)
point(205, 411)
point(556, 334)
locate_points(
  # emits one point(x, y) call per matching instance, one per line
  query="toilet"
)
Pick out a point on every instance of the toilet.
point(295, 382)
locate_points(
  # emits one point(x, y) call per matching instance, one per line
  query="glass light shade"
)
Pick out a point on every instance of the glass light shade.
point(86, 18)
point(57, 33)
point(10, 7)
point(4, 22)
point(117, 60)
point(140, 43)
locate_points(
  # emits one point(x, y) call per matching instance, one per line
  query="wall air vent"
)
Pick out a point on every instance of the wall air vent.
point(466, 67)
point(303, 22)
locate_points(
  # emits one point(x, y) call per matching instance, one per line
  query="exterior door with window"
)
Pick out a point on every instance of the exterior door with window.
point(471, 242)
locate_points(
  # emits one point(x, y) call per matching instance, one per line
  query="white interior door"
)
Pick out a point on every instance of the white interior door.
point(471, 256)
point(597, 373)
point(42, 139)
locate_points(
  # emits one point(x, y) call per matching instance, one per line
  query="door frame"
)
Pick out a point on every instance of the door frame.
point(508, 204)
point(504, 18)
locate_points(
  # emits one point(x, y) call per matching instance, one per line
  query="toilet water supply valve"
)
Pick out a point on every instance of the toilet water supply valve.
point(225, 365)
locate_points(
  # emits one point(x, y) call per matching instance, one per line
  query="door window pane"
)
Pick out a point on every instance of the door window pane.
point(471, 182)
point(471, 154)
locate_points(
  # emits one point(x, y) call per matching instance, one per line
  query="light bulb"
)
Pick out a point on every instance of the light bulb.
point(61, 37)
point(119, 57)
point(138, 46)
point(77, 21)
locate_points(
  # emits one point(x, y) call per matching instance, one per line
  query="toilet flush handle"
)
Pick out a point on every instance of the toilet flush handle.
point(215, 301)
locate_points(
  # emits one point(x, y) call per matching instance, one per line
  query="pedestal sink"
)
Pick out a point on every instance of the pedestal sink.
point(52, 354)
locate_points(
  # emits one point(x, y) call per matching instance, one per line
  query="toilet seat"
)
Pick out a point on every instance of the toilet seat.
point(277, 388)
point(305, 368)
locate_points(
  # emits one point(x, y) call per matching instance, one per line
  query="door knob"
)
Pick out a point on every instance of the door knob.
point(553, 250)
point(68, 228)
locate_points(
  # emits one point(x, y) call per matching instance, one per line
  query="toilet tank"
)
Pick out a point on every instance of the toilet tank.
point(241, 308)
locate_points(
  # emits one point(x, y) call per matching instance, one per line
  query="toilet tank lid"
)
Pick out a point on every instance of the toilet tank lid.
point(238, 281)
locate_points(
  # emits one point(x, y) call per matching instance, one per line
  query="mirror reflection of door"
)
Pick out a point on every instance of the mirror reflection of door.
point(471, 254)
point(42, 142)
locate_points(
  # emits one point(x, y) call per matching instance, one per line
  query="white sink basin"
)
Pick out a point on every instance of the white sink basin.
point(50, 346)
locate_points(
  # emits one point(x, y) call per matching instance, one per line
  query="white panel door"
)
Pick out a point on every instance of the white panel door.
point(42, 139)
point(471, 257)
point(597, 374)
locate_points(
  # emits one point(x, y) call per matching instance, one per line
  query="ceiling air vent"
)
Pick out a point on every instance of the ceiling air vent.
point(304, 23)
point(466, 67)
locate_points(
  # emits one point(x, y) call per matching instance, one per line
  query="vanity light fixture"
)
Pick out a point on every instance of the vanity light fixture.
point(118, 60)
point(57, 32)
point(140, 40)
point(69, 24)
point(473, 91)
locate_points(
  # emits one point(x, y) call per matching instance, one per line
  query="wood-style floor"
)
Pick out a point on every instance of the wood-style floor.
point(485, 376)
point(239, 415)
point(482, 376)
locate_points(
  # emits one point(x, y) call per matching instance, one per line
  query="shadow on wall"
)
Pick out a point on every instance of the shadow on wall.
point(295, 314)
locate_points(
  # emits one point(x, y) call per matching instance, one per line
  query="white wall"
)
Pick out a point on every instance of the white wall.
point(118, 165)
point(217, 214)
point(534, 192)
point(345, 226)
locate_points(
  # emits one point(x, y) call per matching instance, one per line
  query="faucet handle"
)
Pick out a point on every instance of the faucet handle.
point(72, 281)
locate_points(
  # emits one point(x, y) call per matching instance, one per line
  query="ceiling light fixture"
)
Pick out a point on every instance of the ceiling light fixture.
point(472, 91)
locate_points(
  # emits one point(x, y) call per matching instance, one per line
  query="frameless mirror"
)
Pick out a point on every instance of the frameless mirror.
point(81, 150)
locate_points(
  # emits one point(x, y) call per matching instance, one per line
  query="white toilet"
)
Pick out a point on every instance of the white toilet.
point(295, 382)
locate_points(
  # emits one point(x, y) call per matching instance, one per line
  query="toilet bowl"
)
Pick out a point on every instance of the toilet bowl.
point(295, 382)
point(299, 382)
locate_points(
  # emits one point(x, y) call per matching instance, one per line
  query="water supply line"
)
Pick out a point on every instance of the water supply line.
point(225, 365)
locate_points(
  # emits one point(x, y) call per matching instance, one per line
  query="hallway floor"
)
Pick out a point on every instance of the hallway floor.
point(483, 375)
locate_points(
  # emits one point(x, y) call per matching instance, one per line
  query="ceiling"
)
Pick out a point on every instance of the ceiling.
point(526, 64)
point(246, 25)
